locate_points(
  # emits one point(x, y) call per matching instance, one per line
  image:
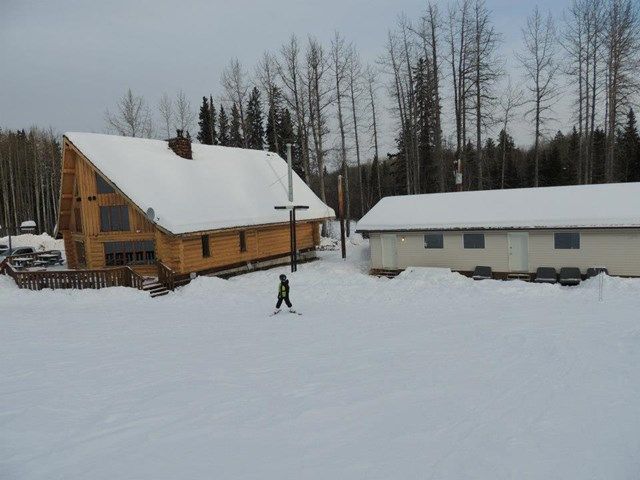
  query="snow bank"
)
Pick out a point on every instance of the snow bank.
point(428, 375)
point(40, 242)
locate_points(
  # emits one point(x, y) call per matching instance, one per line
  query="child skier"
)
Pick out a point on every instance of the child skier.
point(283, 294)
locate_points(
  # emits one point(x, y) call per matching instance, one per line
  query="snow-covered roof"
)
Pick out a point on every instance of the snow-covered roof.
point(222, 187)
point(28, 224)
point(578, 206)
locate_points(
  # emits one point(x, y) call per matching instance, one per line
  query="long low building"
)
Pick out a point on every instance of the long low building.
point(512, 231)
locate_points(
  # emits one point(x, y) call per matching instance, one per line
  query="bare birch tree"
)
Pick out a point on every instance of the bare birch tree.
point(267, 75)
point(371, 80)
point(486, 71)
point(511, 99)
point(236, 90)
point(184, 116)
point(319, 96)
point(339, 54)
point(540, 66)
point(290, 73)
point(165, 107)
point(622, 46)
point(354, 77)
point(132, 118)
point(458, 36)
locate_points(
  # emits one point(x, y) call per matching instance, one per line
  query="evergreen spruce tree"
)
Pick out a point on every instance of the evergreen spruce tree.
point(492, 166)
point(551, 169)
point(212, 115)
point(629, 151)
point(254, 135)
point(274, 117)
point(204, 135)
point(506, 145)
point(235, 131)
point(424, 105)
point(223, 126)
point(599, 155)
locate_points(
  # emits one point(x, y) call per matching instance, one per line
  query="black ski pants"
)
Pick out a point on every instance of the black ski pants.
point(286, 300)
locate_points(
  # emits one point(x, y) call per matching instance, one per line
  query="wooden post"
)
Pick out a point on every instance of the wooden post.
point(295, 241)
point(292, 229)
point(341, 214)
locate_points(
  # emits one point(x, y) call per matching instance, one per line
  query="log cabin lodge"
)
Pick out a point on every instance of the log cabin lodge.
point(195, 208)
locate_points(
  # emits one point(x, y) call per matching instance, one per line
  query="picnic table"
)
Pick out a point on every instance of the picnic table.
point(48, 259)
point(22, 262)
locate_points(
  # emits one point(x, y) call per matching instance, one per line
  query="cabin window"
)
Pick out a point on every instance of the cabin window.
point(102, 186)
point(567, 240)
point(473, 240)
point(243, 241)
point(129, 253)
point(434, 240)
point(114, 218)
point(206, 252)
point(80, 254)
point(78, 219)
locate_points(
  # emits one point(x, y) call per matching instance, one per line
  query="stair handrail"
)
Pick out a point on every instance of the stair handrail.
point(166, 276)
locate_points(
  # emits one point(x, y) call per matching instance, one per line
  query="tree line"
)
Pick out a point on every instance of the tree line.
point(442, 76)
point(30, 163)
point(442, 81)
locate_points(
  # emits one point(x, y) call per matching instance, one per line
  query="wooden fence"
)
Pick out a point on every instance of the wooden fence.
point(79, 279)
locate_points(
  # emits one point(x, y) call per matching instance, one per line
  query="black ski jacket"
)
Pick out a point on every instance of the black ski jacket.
point(283, 289)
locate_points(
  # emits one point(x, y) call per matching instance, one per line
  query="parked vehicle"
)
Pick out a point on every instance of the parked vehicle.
point(16, 251)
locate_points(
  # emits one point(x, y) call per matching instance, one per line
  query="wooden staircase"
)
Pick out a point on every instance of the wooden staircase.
point(380, 272)
point(154, 287)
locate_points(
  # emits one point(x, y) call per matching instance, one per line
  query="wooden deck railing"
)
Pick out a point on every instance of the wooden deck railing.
point(80, 279)
point(166, 276)
point(169, 278)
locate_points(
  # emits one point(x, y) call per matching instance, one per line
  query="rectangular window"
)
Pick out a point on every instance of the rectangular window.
point(567, 240)
point(80, 254)
point(114, 218)
point(243, 241)
point(205, 246)
point(102, 186)
point(473, 240)
point(434, 240)
point(78, 219)
point(129, 253)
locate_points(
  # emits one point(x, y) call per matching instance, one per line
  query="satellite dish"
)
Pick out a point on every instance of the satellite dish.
point(151, 214)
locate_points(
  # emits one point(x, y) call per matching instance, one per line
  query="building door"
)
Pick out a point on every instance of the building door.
point(518, 252)
point(389, 253)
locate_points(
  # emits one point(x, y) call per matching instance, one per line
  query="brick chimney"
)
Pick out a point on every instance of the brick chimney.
point(181, 145)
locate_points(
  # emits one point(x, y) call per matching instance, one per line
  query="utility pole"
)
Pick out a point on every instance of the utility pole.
point(341, 214)
point(292, 213)
point(290, 172)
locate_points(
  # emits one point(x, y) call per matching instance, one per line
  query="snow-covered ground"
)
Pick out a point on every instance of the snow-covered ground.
point(427, 376)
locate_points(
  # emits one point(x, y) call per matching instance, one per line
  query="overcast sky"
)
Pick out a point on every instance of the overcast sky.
point(65, 61)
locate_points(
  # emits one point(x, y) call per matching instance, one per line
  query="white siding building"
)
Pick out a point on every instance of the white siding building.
point(511, 231)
